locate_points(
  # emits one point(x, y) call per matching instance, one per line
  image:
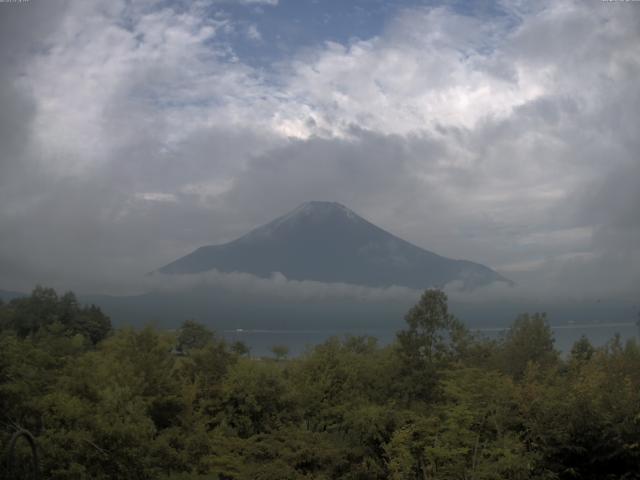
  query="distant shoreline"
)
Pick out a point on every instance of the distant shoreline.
point(482, 329)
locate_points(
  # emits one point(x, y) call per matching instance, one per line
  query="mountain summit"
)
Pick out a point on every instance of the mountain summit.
point(327, 242)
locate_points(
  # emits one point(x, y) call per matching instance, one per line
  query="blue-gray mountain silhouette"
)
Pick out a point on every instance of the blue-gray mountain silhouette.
point(327, 242)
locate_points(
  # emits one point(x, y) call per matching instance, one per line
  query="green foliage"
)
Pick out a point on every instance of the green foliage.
point(582, 350)
point(280, 351)
point(529, 340)
point(437, 404)
point(255, 398)
point(44, 311)
point(434, 339)
point(193, 335)
point(240, 348)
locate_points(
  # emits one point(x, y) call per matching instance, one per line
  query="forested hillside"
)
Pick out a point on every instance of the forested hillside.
point(438, 403)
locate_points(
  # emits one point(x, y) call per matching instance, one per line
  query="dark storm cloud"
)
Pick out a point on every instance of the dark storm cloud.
point(21, 31)
point(367, 166)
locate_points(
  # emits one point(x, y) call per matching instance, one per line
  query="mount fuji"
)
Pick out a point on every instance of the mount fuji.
point(327, 242)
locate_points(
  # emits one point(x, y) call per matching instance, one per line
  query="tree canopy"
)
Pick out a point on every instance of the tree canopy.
point(438, 403)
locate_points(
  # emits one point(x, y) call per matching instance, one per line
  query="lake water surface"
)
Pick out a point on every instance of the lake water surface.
point(261, 341)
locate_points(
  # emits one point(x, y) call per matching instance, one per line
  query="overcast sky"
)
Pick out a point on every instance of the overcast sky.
point(134, 132)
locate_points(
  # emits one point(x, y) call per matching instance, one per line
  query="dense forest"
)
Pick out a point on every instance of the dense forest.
point(438, 403)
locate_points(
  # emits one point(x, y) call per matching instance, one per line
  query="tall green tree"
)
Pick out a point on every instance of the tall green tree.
point(193, 335)
point(528, 340)
point(433, 339)
point(44, 310)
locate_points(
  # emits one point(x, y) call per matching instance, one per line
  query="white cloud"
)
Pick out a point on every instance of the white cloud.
point(156, 197)
point(423, 72)
point(272, 3)
point(104, 86)
point(278, 286)
point(253, 33)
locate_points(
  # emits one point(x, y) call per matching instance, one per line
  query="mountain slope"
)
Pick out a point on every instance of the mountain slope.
point(327, 242)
